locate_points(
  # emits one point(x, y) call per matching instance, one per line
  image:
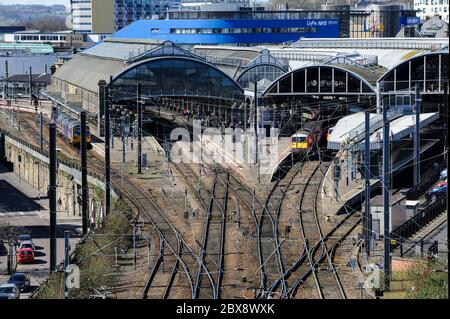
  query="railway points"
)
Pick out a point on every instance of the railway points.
point(281, 214)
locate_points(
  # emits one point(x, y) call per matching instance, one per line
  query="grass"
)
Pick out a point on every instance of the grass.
point(424, 280)
point(96, 262)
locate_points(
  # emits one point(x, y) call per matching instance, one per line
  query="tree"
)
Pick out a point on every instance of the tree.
point(430, 280)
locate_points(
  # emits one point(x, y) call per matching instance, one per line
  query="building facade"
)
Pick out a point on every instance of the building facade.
point(380, 20)
point(214, 5)
point(108, 16)
point(429, 8)
point(254, 27)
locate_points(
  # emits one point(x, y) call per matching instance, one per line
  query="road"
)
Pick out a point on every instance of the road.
point(21, 206)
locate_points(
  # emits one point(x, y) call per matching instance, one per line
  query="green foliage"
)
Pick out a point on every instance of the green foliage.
point(97, 192)
point(95, 256)
point(430, 280)
point(53, 289)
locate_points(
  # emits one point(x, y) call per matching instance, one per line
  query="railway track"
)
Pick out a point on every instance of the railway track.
point(176, 261)
point(212, 242)
point(172, 244)
point(272, 264)
point(318, 258)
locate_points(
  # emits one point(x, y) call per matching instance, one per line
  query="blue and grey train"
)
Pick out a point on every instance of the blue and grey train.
point(70, 129)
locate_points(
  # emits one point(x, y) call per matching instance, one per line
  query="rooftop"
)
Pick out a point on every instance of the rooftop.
point(31, 48)
point(44, 78)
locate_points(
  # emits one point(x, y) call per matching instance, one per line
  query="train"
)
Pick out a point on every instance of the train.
point(70, 129)
point(311, 133)
point(309, 137)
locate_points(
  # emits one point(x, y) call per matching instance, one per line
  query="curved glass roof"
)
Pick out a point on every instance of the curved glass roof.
point(429, 70)
point(175, 76)
point(165, 67)
point(324, 80)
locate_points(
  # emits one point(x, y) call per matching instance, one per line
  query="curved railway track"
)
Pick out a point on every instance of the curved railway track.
point(176, 261)
point(317, 260)
point(212, 242)
point(171, 240)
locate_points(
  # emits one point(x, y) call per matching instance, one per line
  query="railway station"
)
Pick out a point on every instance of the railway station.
point(202, 166)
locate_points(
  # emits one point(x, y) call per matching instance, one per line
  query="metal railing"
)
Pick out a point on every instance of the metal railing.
point(373, 43)
point(432, 176)
point(420, 220)
point(45, 153)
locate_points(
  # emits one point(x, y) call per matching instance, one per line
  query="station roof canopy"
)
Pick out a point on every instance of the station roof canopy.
point(118, 58)
point(43, 78)
point(324, 79)
point(112, 57)
point(370, 76)
point(350, 130)
point(31, 48)
point(236, 60)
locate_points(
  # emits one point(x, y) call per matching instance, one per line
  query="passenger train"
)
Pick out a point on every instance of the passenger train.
point(70, 129)
point(311, 133)
point(309, 137)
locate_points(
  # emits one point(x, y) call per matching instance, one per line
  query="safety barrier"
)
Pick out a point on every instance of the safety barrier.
point(420, 220)
point(415, 192)
point(47, 154)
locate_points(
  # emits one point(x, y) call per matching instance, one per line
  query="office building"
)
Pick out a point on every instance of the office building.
point(429, 8)
point(108, 16)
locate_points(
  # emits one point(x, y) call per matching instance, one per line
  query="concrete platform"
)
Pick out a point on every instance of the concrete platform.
point(149, 146)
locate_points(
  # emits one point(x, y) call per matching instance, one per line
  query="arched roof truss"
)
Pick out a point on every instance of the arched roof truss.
point(429, 70)
point(323, 80)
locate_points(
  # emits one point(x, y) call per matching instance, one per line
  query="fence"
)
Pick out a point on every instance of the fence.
point(432, 176)
point(423, 218)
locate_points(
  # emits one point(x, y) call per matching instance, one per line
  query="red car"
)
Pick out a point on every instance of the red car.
point(25, 255)
point(442, 184)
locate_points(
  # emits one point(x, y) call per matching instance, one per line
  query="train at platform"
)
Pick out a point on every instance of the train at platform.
point(311, 133)
point(70, 129)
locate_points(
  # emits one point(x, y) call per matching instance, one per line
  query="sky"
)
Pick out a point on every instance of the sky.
point(47, 2)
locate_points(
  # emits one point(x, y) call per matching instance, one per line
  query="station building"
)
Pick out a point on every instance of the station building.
point(253, 27)
point(329, 77)
point(163, 69)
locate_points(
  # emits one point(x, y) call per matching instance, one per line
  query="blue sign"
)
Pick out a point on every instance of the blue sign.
point(409, 21)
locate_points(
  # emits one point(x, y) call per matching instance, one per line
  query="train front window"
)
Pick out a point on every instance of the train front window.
point(298, 139)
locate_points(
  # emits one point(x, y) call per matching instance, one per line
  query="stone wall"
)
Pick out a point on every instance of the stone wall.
point(33, 168)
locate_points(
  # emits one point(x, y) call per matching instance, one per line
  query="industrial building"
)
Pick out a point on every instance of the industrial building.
point(21, 56)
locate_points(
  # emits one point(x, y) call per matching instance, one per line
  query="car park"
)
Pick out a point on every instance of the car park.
point(21, 280)
point(9, 291)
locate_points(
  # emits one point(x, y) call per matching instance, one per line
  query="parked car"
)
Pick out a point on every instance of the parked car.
point(443, 174)
point(9, 291)
point(442, 183)
point(436, 193)
point(21, 280)
point(27, 244)
point(23, 237)
point(25, 255)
